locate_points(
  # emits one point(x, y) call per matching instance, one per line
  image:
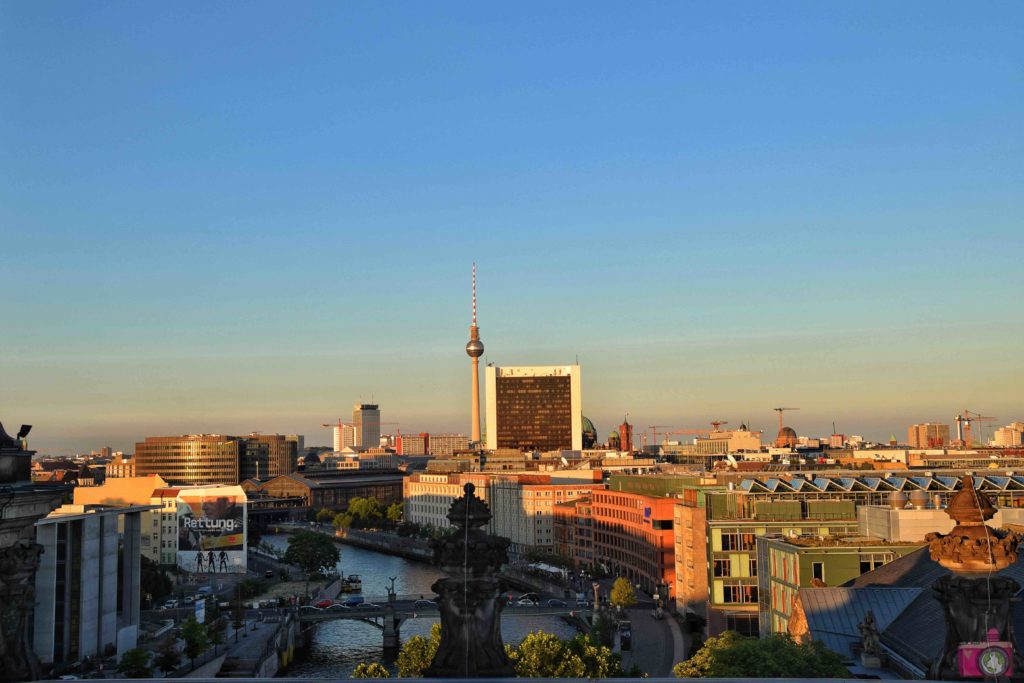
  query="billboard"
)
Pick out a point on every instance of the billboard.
point(211, 530)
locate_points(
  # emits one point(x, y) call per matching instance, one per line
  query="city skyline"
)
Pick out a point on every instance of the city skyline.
point(817, 206)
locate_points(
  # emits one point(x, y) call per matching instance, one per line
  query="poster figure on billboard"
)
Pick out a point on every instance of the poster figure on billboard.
point(212, 530)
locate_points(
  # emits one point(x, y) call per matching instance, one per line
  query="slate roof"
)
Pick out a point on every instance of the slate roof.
point(917, 632)
point(834, 613)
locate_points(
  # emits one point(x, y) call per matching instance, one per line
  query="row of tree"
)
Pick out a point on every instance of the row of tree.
point(543, 655)
point(539, 655)
point(363, 513)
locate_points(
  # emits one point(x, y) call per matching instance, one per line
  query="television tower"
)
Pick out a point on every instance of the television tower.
point(475, 349)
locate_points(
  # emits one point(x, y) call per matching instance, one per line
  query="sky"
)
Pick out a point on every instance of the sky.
point(228, 217)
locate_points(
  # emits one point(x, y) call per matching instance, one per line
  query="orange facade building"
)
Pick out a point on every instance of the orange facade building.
point(633, 537)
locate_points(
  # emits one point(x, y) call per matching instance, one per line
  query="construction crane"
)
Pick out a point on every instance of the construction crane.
point(963, 426)
point(780, 411)
point(654, 430)
point(717, 423)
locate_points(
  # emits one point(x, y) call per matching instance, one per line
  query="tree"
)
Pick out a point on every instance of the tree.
point(238, 615)
point(153, 581)
point(196, 639)
point(253, 535)
point(622, 593)
point(544, 655)
point(395, 512)
point(602, 631)
point(168, 658)
point(370, 670)
point(312, 552)
point(216, 633)
point(324, 515)
point(732, 655)
point(135, 664)
point(342, 520)
point(417, 654)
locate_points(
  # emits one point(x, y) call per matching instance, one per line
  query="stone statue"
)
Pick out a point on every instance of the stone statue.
point(869, 643)
point(18, 565)
point(469, 597)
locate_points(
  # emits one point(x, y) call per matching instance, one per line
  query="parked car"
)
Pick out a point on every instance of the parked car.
point(425, 604)
point(526, 602)
point(171, 604)
point(324, 604)
point(189, 599)
point(338, 607)
point(555, 602)
point(354, 600)
point(367, 605)
point(269, 574)
point(309, 609)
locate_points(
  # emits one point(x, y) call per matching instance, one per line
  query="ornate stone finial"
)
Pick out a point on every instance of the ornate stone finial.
point(972, 546)
point(469, 511)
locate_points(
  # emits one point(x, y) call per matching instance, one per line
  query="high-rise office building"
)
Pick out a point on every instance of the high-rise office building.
point(366, 420)
point(928, 435)
point(1009, 436)
point(446, 445)
point(269, 455)
point(534, 408)
point(300, 441)
point(194, 459)
point(344, 437)
point(191, 458)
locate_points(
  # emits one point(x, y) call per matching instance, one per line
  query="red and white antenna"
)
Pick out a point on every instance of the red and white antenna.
point(474, 294)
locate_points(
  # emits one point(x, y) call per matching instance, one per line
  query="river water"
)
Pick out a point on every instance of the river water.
point(337, 646)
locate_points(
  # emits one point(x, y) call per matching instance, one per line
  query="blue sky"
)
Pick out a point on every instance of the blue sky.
point(232, 217)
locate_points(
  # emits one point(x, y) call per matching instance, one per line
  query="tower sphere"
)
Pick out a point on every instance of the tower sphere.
point(475, 348)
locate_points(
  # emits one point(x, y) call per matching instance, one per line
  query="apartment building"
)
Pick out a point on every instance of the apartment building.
point(787, 564)
point(428, 496)
point(523, 507)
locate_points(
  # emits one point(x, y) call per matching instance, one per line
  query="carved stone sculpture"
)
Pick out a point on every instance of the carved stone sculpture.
point(18, 565)
point(868, 634)
point(974, 598)
point(469, 597)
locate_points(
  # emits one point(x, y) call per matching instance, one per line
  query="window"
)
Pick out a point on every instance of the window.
point(745, 624)
point(818, 571)
point(723, 568)
point(753, 567)
point(739, 594)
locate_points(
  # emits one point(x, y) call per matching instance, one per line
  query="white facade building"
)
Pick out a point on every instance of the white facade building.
point(534, 408)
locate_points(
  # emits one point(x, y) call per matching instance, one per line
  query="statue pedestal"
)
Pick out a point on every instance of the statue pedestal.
point(870, 661)
point(972, 606)
point(471, 643)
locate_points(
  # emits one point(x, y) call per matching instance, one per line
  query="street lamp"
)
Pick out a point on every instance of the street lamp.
point(597, 587)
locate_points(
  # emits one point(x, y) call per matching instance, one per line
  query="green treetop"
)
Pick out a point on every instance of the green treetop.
point(732, 655)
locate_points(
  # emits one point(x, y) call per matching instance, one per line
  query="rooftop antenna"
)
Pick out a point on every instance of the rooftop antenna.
point(474, 293)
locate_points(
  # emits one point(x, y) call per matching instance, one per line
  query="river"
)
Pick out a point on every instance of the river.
point(337, 646)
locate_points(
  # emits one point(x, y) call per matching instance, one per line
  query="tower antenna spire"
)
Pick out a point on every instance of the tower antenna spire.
point(475, 349)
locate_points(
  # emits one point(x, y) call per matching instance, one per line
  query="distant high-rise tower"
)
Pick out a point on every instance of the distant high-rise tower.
point(534, 408)
point(475, 349)
point(366, 420)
